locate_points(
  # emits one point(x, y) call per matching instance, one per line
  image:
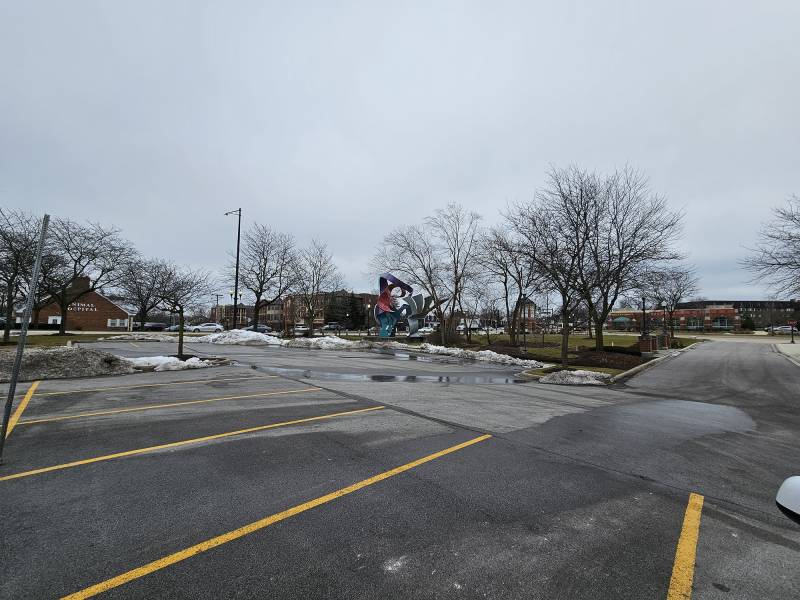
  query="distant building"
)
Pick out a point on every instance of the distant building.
point(269, 314)
point(348, 308)
point(762, 312)
point(91, 312)
point(711, 315)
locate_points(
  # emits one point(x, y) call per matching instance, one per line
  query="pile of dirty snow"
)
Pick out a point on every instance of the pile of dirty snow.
point(63, 361)
point(253, 338)
point(167, 363)
point(576, 378)
point(140, 337)
point(328, 342)
point(239, 337)
point(480, 355)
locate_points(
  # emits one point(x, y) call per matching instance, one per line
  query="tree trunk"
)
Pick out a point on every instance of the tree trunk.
point(598, 332)
point(256, 310)
point(564, 335)
point(180, 332)
point(62, 327)
point(142, 320)
point(442, 327)
point(9, 314)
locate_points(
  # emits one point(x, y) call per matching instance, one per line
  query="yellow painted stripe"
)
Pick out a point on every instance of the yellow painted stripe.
point(206, 438)
point(21, 408)
point(171, 559)
point(154, 406)
point(147, 385)
point(680, 584)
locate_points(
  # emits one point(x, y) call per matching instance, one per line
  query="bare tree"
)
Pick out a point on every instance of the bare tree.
point(439, 256)
point(553, 237)
point(672, 286)
point(316, 277)
point(81, 259)
point(411, 253)
point(776, 258)
point(267, 265)
point(18, 239)
point(502, 261)
point(139, 285)
point(456, 231)
point(629, 231)
point(181, 290)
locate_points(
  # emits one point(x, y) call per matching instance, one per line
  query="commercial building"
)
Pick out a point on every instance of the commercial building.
point(762, 312)
point(91, 312)
point(269, 314)
point(710, 315)
point(348, 308)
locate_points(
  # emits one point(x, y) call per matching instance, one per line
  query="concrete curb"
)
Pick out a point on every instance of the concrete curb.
point(786, 355)
point(651, 363)
point(637, 369)
point(528, 376)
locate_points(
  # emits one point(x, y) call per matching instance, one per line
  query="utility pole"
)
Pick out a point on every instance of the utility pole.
point(216, 312)
point(236, 277)
point(23, 334)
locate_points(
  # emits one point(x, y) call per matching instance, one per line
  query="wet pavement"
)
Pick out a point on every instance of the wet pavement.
point(578, 493)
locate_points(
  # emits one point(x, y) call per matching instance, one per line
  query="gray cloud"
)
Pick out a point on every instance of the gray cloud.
point(342, 120)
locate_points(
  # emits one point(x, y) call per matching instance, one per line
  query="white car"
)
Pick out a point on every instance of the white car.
point(300, 329)
point(206, 327)
point(785, 329)
point(427, 329)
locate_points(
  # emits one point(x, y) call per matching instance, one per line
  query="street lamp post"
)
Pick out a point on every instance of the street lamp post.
point(366, 319)
point(236, 276)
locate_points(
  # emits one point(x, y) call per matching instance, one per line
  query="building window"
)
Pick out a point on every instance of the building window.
point(118, 322)
point(55, 320)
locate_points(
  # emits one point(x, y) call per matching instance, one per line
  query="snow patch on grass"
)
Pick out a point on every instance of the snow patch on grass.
point(253, 338)
point(139, 337)
point(168, 363)
point(239, 337)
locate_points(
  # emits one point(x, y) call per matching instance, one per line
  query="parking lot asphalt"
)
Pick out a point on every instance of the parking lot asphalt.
point(330, 474)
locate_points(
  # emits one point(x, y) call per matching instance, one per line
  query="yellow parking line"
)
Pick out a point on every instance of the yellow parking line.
point(21, 408)
point(153, 406)
point(680, 584)
point(206, 438)
point(171, 559)
point(146, 385)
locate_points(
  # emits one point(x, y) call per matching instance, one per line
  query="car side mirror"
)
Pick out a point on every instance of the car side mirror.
point(788, 498)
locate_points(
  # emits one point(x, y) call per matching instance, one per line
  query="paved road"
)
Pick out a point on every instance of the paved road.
point(578, 493)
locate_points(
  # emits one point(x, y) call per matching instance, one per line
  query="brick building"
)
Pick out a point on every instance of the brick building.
point(761, 312)
point(708, 317)
point(91, 312)
point(270, 314)
point(347, 308)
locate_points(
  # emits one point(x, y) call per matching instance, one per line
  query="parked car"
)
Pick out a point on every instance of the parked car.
point(781, 329)
point(206, 327)
point(426, 329)
point(150, 327)
point(332, 326)
point(300, 329)
point(788, 498)
point(176, 328)
point(260, 328)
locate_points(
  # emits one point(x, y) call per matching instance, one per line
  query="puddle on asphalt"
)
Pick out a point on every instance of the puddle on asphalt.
point(328, 376)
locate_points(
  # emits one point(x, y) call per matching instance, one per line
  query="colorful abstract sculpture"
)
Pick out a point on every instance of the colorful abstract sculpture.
point(396, 303)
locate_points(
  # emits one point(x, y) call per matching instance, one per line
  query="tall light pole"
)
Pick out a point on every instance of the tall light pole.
point(236, 277)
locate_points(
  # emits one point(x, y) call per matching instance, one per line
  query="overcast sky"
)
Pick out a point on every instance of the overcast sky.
point(340, 120)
